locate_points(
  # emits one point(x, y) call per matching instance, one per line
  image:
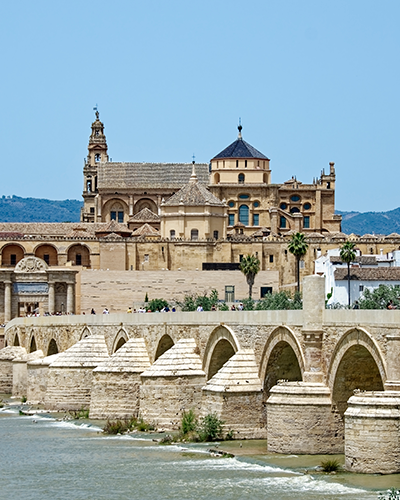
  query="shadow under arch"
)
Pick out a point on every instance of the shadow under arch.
point(53, 348)
point(221, 346)
point(282, 358)
point(85, 333)
point(120, 339)
point(16, 340)
point(165, 343)
point(32, 345)
point(356, 363)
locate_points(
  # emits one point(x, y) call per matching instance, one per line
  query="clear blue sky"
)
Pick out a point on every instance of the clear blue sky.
point(313, 82)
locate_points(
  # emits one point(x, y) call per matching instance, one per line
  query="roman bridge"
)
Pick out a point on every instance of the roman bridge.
point(308, 363)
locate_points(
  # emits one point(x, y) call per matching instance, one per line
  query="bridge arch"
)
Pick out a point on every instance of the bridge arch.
point(85, 333)
point(164, 344)
point(120, 339)
point(357, 363)
point(221, 346)
point(32, 344)
point(53, 348)
point(282, 358)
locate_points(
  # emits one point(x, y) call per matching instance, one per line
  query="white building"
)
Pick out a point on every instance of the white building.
point(367, 271)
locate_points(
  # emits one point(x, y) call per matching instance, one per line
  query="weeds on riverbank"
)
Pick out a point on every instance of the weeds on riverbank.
point(83, 413)
point(209, 428)
point(393, 495)
point(127, 425)
point(330, 465)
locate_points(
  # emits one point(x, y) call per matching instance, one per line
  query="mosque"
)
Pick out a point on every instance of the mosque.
point(182, 218)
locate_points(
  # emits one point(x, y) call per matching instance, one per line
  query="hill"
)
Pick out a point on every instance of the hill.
point(371, 222)
point(16, 209)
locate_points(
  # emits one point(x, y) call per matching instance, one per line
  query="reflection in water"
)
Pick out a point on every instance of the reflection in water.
point(43, 459)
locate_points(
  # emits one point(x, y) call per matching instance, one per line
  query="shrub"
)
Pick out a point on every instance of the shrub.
point(331, 465)
point(192, 302)
point(280, 301)
point(248, 304)
point(393, 495)
point(380, 297)
point(157, 304)
point(122, 426)
point(223, 306)
point(210, 428)
point(189, 422)
point(23, 399)
point(82, 413)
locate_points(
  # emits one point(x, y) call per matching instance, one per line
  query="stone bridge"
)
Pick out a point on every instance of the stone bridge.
point(304, 367)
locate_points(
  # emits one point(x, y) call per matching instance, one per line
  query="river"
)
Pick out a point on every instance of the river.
point(42, 458)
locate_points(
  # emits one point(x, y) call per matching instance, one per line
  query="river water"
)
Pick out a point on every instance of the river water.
point(42, 458)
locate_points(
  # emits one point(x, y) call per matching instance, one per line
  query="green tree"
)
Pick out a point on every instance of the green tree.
point(347, 254)
point(157, 304)
point(298, 247)
point(250, 266)
point(380, 297)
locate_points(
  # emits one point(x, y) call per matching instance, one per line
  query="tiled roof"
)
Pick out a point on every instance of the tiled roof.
point(369, 274)
point(145, 215)
point(194, 194)
point(364, 260)
point(114, 227)
point(240, 149)
point(148, 175)
point(146, 230)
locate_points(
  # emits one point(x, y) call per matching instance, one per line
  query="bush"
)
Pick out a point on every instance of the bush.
point(223, 306)
point(393, 495)
point(331, 465)
point(127, 425)
point(157, 304)
point(380, 297)
point(248, 304)
point(82, 413)
point(280, 301)
point(210, 428)
point(189, 422)
point(192, 302)
point(23, 399)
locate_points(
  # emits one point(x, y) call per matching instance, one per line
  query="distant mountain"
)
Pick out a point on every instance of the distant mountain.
point(371, 222)
point(16, 209)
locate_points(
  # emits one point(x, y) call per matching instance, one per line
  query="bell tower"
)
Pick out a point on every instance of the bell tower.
point(97, 153)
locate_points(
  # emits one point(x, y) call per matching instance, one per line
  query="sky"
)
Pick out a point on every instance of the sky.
point(312, 81)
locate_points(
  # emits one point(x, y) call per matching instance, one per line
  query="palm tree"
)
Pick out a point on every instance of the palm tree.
point(298, 247)
point(347, 254)
point(250, 266)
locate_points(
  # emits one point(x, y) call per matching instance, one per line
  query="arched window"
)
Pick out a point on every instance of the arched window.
point(294, 210)
point(194, 234)
point(172, 234)
point(244, 214)
point(241, 178)
point(216, 178)
point(97, 157)
point(282, 222)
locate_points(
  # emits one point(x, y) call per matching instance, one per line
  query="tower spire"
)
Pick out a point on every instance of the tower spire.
point(240, 129)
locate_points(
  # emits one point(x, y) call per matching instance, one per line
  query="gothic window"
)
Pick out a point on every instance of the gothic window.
point(194, 234)
point(231, 220)
point(244, 214)
point(97, 157)
point(89, 185)
point(113, 215)
point(120, 217)
point(241, 178)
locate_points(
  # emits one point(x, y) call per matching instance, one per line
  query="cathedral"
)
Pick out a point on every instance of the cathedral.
point(166, 230)
point(233, 195)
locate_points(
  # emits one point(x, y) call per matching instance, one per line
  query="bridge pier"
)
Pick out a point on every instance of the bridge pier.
point(372, 433)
